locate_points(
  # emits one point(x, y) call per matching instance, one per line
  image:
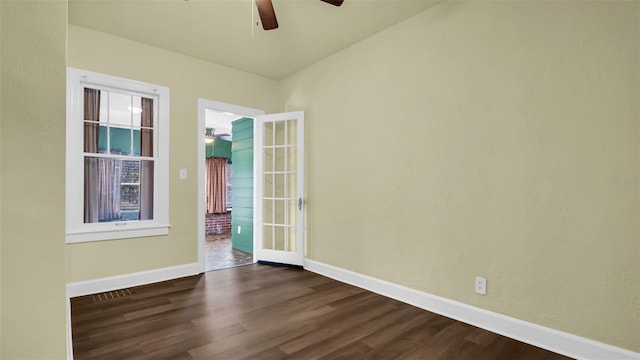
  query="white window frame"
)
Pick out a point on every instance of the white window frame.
point(76, 229)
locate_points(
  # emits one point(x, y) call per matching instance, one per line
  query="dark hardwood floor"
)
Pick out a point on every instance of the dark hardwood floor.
point(265, 312)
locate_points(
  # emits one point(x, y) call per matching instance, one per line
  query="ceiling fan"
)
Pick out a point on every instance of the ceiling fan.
point(268, 15)
point(211, 135)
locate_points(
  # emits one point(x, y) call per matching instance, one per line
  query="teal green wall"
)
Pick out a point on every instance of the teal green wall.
point(242, 183)
point(219, 148)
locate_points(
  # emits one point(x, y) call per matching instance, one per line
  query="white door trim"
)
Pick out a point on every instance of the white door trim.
point(204, 104)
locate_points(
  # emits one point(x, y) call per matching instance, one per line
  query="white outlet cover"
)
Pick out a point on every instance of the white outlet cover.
point(183, 174)
point(481, 285)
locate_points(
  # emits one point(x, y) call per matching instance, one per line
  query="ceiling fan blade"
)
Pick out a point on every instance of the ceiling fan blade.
point(267, 14)
point(334, 2)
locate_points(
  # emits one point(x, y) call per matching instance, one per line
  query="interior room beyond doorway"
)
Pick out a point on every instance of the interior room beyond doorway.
point(220, 252)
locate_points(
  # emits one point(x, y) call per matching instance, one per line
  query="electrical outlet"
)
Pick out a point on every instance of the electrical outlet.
point(481, 285)
point(239, 229)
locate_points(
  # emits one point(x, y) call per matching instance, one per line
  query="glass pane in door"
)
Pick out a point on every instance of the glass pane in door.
point(280, 204)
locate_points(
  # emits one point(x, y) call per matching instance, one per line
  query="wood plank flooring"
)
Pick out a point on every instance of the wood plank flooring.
point(266, 312)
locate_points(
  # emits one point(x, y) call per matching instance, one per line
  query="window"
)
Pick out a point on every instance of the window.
point(117, 158)
point(229, 183)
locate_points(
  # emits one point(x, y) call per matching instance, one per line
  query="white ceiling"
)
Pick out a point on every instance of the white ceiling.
point(226, 31)
point(220, 121)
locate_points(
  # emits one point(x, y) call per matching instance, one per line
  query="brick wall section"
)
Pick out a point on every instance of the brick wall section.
point(218, 224)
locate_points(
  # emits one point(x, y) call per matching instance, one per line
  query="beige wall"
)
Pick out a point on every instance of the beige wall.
point(497, 139)
point(514, 155)
point(32, 258)
point(188, 79)
point(0, 182)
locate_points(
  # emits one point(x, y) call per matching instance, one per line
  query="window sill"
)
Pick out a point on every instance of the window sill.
point(117, 233)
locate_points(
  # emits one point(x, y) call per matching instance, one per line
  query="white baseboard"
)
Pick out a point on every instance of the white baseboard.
point(537, 335)
point(128, 280)
point(120, 282)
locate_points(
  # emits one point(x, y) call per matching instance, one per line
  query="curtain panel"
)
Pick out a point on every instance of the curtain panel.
point(91, 131)
point(109, 172)
point(146, 167)
point(216, 189)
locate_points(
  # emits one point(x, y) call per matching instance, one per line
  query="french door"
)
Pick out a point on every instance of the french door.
point(279, 159)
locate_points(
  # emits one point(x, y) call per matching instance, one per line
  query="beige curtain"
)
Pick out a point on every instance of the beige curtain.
point(216, 172)
point(91, 131)
point(109, 172)
point(146, 167)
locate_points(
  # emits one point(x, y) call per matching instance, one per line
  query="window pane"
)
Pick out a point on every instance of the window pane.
point(129, 197)
point(95, 140)
point(120, 141)
point(117, 190)
point(147, 169)
point(146, 112)
point(120, 109)
point(130, 172)
point(229, 185)
point(102, 140)
point(104, 106)
point(146, 142)
point(136, 110)
point(91, 117)
point(136, 143)
point(101, 190)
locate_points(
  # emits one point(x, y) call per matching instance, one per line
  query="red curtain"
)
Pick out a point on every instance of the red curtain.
point(216, 172)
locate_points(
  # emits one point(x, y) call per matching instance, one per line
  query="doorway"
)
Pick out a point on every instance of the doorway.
point(224, 237)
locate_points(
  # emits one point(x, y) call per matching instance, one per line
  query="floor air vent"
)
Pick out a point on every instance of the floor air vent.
point(111, 295)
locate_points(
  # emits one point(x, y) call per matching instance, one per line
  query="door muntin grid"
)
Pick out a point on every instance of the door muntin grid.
point(280, 186)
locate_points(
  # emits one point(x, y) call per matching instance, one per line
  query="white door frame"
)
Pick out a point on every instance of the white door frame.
point(203, 105)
